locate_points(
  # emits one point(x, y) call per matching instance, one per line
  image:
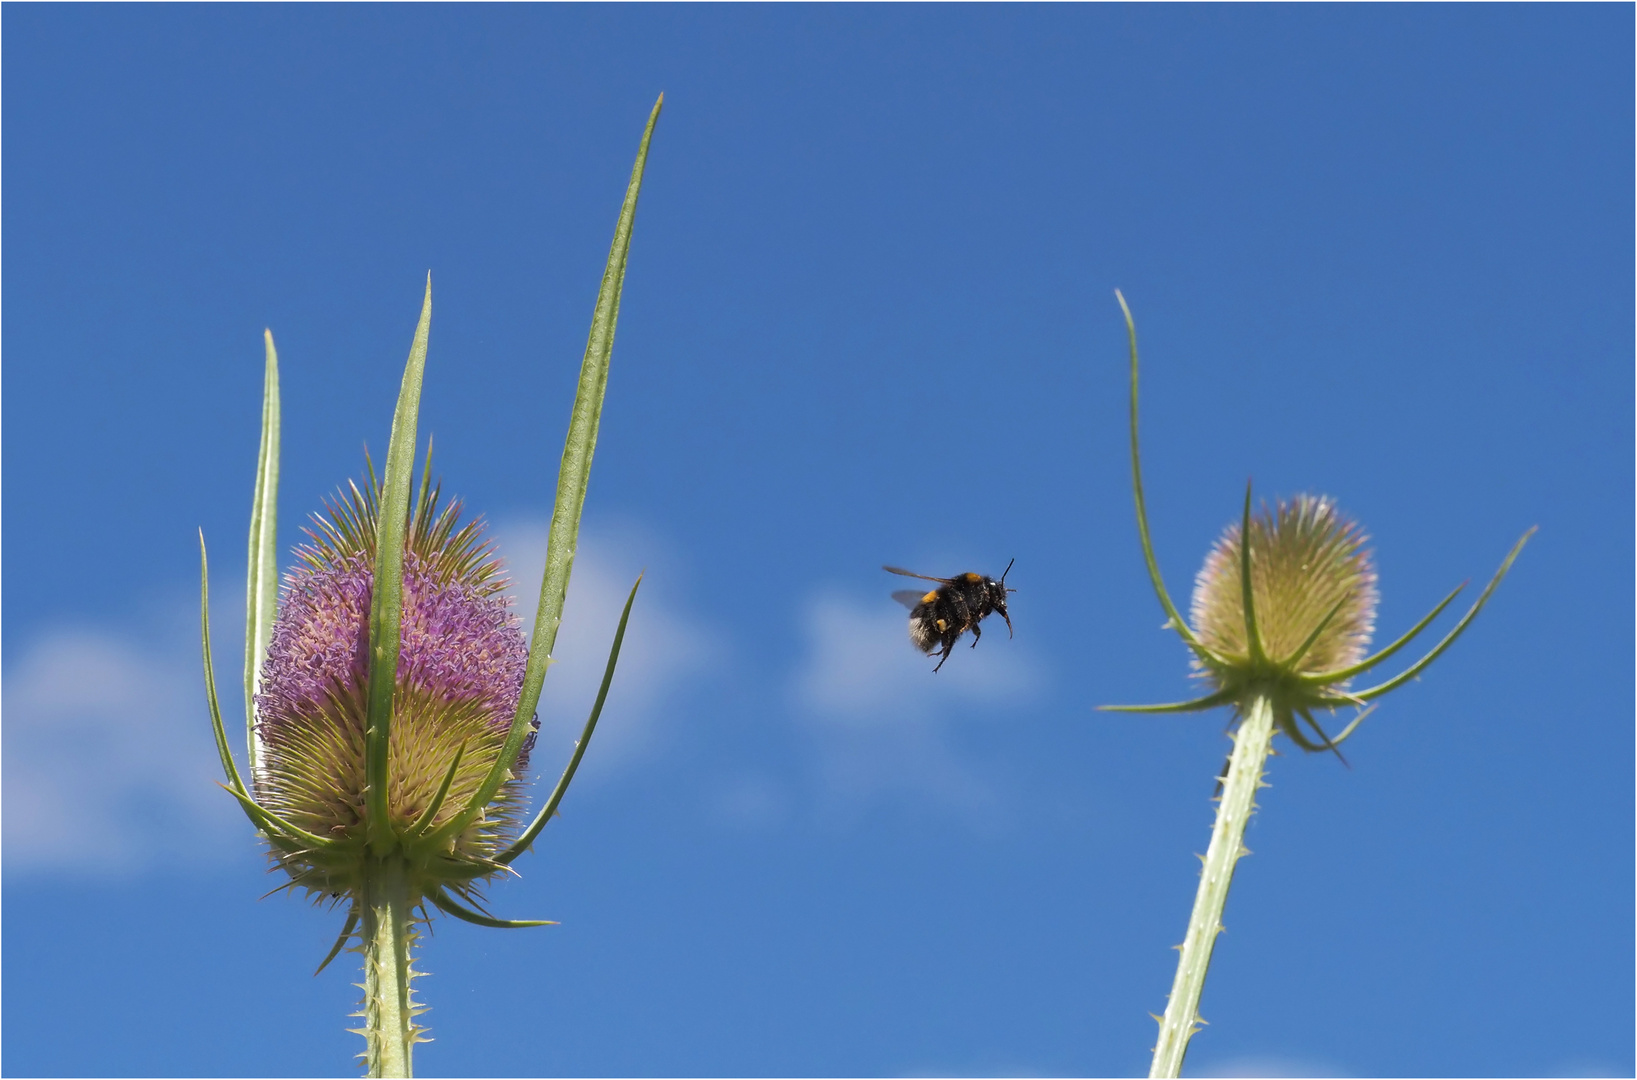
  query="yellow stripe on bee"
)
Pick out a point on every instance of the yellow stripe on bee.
point(973, 577)
point(929, 597)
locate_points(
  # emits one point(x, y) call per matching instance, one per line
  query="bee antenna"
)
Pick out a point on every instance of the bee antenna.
point(1003, 574)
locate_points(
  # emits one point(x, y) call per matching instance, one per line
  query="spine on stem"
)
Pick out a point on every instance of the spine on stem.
point(1251, 743)
point(388, 933)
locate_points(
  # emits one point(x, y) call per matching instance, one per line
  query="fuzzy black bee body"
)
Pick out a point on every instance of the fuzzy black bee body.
point(938, 618)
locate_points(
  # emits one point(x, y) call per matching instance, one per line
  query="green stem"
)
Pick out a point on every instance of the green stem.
point(1251, 743)
point(388, 934)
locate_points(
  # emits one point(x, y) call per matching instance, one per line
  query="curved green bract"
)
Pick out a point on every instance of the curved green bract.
point(1209, 701)
point(1172, 615)
point(573, 478)
point(1247, 590)
point(261, 579)
point(222, 749)
point(430, 814)
point(452, 869)
point(386, 601)
point(1337, 740)
point(1326, 677)
point(1287, 722)
point(1290, 662)
point(341, 939)
point(447, 904)
point(286, 835)
point(279, 831)
point(1460, 627)
point(521, 844)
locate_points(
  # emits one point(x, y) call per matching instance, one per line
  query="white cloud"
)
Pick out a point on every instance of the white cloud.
point(109, 760)
point(883, 722)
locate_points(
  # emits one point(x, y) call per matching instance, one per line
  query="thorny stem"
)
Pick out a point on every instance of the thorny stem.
point(388, 935)
point(1251, 743)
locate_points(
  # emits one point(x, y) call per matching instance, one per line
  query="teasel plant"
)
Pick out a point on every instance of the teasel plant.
point(1282, 615)
point(390, 694)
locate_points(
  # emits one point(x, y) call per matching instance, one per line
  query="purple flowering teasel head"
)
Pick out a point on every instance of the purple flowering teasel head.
point(390, 692)
point(461, 664)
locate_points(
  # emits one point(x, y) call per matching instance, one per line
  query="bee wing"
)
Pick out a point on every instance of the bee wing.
point(910, 598)
point(911, 573)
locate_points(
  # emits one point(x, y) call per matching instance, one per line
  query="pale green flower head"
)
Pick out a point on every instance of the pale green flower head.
point(1313, 588)
point(1313, 582)
point(1288, 615)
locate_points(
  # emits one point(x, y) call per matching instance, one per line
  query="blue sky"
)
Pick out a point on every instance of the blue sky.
point(1382, 253)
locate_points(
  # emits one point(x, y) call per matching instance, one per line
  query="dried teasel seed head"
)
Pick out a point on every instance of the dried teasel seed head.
point(1306, 561)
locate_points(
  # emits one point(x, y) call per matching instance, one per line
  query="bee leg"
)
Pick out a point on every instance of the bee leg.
point(977, 632)
point(949, 645)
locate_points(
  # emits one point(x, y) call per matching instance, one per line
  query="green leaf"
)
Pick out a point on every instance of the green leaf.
point(386, 603)
point(522, 843)
point(573, 477)
point(262, 579)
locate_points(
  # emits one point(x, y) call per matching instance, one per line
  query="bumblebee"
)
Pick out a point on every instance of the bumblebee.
point(958, 604)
